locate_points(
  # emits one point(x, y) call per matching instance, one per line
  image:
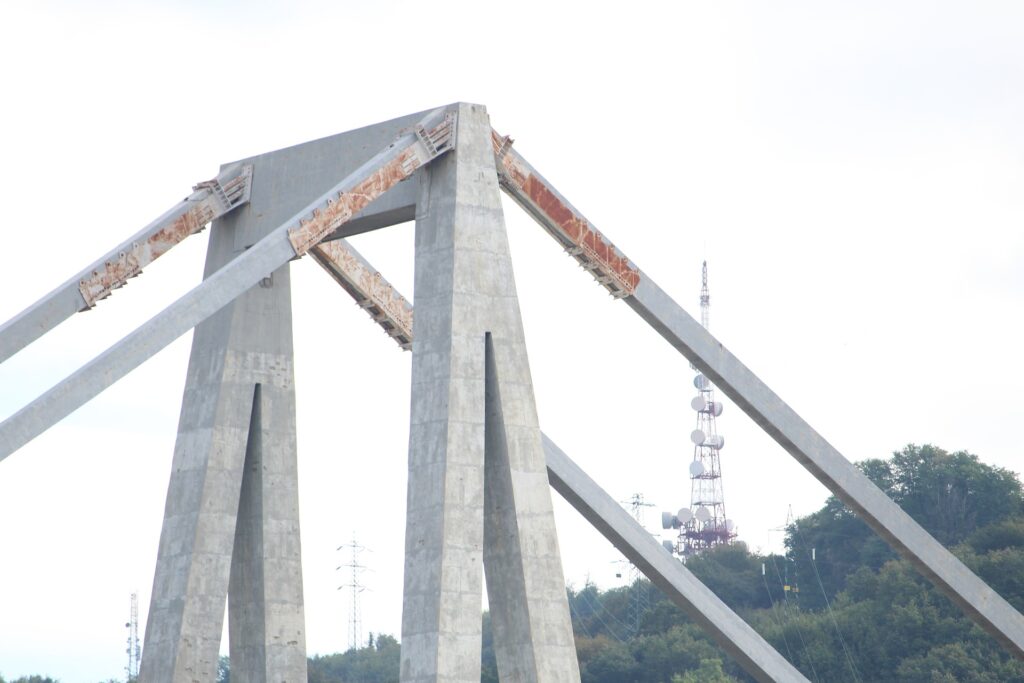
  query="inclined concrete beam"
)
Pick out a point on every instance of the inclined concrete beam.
point(828, 465)
point(261, 256)
point(736, 637)
point(625, 280)
point(208, 201)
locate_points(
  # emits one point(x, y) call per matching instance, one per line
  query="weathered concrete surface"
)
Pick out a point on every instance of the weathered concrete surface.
point(533, 638)
point(246, 344)
point(286, 180)
point(465, 289)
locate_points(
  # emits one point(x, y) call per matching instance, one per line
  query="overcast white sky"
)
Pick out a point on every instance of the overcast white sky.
point(851, 171)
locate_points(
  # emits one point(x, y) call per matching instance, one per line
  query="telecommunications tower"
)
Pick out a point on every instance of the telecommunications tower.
point(703, 525)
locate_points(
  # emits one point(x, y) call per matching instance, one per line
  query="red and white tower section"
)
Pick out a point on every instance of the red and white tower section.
point(703, 524)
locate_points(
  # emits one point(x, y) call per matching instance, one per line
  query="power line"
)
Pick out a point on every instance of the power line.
point(796, 622)
point(771, 603)
point(828, 605)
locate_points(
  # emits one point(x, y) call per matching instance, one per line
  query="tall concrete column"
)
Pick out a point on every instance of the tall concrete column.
point(234, 460)
point(465, 290)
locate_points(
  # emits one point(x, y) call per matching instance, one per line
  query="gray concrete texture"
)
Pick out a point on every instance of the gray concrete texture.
point(461, 417)
point(231, 517)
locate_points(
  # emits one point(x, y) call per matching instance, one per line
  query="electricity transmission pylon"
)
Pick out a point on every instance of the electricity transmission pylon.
point(355, 630)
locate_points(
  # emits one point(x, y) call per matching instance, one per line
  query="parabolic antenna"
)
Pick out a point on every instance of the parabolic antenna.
point(701, 382)
point(696, 468)
point(684, 515)
point(703, 514)
point(669, 546)
point(715, 408)
point(666, 520)
point(697, 437)
point(716, 441)
point(698, 403)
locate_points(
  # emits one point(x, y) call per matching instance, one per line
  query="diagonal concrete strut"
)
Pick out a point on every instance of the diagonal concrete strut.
point(293, 238)
point(624, 280)
point(209, 200)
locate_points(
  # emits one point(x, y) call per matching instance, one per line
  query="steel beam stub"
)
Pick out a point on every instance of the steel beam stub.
point(293, 238)
point(736, 637)
point(209, 200)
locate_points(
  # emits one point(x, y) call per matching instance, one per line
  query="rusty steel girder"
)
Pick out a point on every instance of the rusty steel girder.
point(367, 286)
point(595, 252)
point(210, 200)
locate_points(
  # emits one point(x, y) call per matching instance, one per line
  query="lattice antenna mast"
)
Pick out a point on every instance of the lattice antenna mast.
point(134, 650)
point(705, 298)
point(704, 524)
point(356, 569)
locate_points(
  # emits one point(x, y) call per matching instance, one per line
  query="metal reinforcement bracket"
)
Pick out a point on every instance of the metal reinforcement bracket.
point(293, 238)
point(560, 219)
point(209, 200)
point(367, 286)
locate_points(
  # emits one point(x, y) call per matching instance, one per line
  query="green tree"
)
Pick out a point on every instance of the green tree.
point(709, 671)
point(612, 663)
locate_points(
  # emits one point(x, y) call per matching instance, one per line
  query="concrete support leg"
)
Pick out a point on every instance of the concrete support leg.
point(464, 290)
point(533, 638)
point(234, 459)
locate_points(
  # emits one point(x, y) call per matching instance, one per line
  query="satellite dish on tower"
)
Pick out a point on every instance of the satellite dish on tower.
point(701, 382)
point(697, 437)
point(696, 468)
point(667, 520)
point(717, 441)
point(698, 403)
point(684, 515)
point(703, 514)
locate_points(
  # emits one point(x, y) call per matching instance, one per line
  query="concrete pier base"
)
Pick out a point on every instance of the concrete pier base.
point(472, 403)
